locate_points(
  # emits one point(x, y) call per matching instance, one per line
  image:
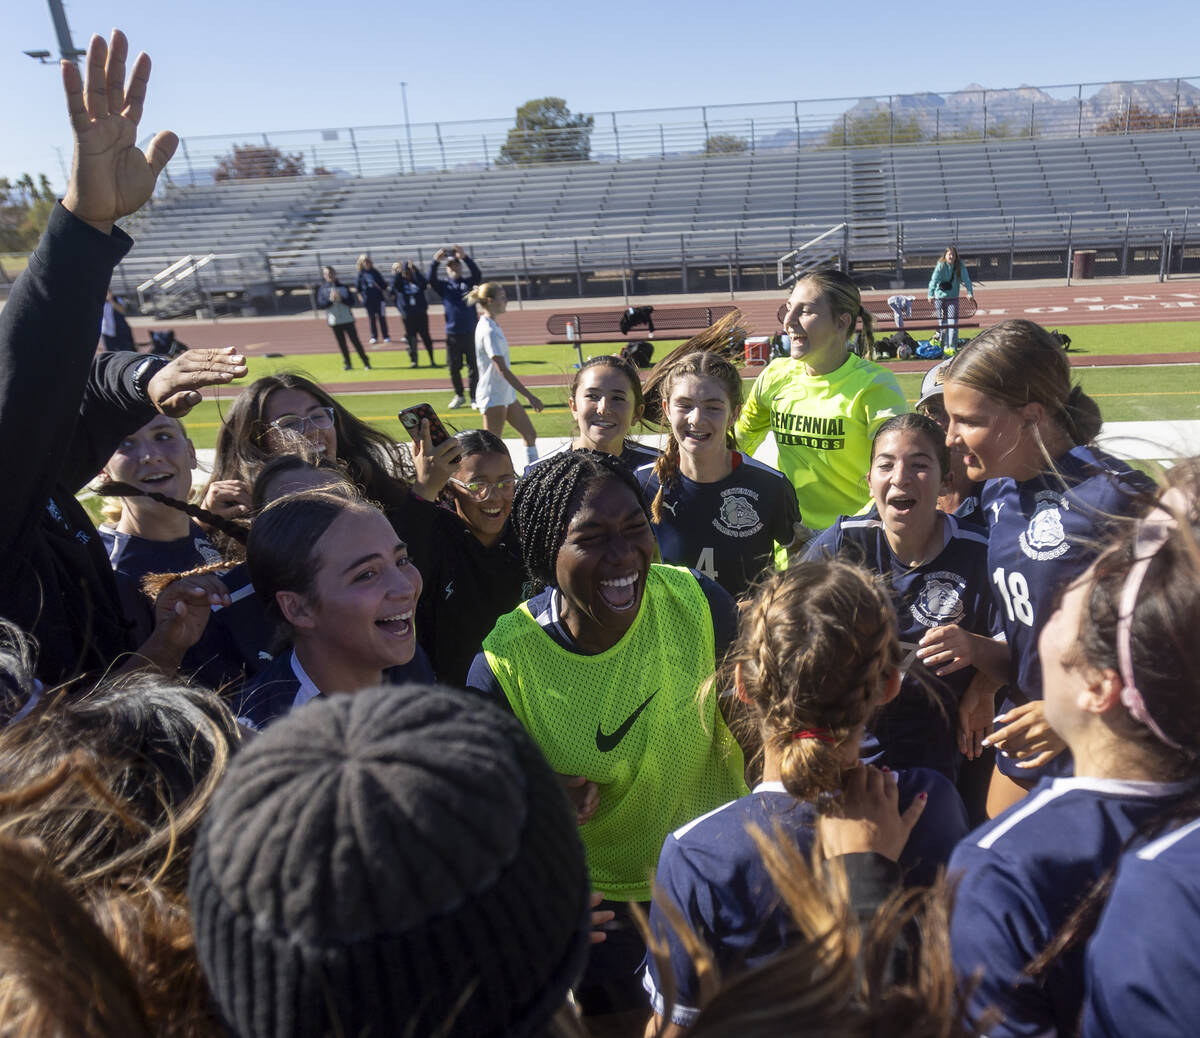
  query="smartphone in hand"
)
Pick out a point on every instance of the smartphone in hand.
point(411, 418)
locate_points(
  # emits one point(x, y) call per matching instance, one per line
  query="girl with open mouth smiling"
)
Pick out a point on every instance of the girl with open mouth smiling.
point(149, 535)
point(935, 567)
point(606, 402)
point(603, 667)
point(338, 582)
point(713, 507)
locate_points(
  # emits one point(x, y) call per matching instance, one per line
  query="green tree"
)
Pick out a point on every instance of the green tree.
point(876, 128)
point(547, 131)
point(25, 208)
point(248, 161)
point(725, 144)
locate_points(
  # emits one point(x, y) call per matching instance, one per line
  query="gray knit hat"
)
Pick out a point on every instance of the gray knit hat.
point(397, 861)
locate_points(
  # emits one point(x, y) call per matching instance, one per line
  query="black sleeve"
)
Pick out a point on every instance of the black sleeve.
point(473, 267)
point(724, 613)
point(111, 409)
point(420, 279)
point(435, 282)
point(481, 679)
point(48, 334)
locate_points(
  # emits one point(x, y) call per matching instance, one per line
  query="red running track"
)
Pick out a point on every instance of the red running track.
point(1050, 305)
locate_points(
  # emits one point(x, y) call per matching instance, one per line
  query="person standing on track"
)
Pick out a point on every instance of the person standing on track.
point(460, 318)
point(947, 278)
point(336, 298)
point(409, 284)
point(373, 291)
point(496, 394)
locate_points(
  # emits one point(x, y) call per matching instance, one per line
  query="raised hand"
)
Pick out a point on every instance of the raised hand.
point(110, 176)
point(174, 390)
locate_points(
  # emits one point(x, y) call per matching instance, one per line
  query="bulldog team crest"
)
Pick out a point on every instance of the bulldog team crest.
point(1046, 536)
point(940, 601)
point(737, 516)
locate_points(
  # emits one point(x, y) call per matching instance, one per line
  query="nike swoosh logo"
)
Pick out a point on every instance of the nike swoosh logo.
point(606, 743)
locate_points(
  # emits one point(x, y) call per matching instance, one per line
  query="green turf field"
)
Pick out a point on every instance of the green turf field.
point(1124, 394)
point(392, 364)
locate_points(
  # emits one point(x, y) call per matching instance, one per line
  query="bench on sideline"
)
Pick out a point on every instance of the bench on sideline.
point(923, 314)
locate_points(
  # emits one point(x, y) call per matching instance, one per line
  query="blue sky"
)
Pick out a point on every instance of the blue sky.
point(234, 66)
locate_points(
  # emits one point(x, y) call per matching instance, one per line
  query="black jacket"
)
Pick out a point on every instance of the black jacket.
point(467, 587)
point(63, 411)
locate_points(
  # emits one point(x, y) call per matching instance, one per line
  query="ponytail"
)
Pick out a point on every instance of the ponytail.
point(868, 331)
point(1081, 416)
point(233, 529)
point(666, 470)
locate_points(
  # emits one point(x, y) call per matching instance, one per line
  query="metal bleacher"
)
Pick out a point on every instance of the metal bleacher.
point(571, 218)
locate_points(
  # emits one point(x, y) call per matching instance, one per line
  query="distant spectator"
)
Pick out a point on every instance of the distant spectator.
point(337, 298)
point(948, 277)
point(409, 284)
point(373, 291)
point(113, 326)
point(460, 318)
point(498, 387)
point(901, 307)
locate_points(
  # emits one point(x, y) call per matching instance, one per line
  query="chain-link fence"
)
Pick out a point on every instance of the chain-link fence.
point(1074, 110)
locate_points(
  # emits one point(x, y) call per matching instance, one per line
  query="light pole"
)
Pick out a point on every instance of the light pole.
point(407, 129)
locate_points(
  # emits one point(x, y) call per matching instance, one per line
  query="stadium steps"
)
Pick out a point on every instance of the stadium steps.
point(871, 233)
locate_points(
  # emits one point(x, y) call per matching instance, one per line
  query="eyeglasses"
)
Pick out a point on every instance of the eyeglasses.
point(321, 418)
point(479, 489)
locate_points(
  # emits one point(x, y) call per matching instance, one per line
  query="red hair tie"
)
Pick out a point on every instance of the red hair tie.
point(820, 734)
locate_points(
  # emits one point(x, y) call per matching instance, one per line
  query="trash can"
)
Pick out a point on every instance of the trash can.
point(1083, 266)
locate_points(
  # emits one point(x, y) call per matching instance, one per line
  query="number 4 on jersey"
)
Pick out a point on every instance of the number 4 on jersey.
point(1014, 590)
point(707, 564)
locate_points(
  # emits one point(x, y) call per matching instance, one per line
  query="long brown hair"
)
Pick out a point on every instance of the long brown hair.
point(1017, 363)
point(705, 365)
point(383, 470)
point(844, 977)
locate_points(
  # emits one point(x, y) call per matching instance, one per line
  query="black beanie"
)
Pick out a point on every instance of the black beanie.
point(397, 861)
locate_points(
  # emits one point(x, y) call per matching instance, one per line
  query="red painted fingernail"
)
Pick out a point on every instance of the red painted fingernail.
point(922, 796)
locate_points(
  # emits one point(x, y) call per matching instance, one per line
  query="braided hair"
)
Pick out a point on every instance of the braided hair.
point(816, 645)
point(548, 496)
point(232, 528)
point(713, 364)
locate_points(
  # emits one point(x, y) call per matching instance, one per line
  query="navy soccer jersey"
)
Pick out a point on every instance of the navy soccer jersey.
point(913, 730)
point(1043, 533)
point(133, 558)
point(726, 530)
point(1022, 874)
point(1143, 964)
point(712, 871)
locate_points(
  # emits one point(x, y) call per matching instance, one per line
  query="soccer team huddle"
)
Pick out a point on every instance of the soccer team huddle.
point(646, 738)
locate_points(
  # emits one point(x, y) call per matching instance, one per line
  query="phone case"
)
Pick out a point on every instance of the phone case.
point(411, 418)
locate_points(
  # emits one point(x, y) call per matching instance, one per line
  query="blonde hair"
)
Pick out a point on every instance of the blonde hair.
point(484, 293)
point(363, 260)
